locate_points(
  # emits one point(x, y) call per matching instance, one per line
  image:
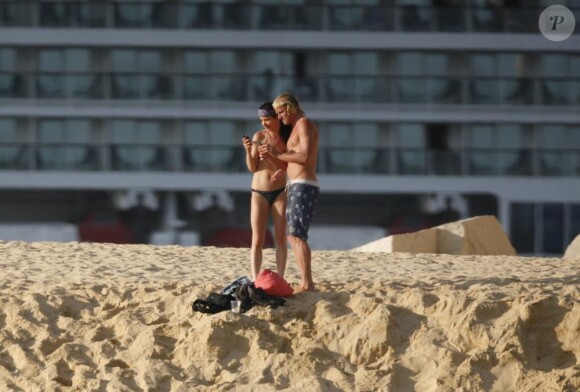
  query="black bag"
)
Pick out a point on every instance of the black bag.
point(249, 295)
point(214, 303)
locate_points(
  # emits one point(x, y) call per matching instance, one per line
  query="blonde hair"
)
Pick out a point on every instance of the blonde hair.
point(290, 102)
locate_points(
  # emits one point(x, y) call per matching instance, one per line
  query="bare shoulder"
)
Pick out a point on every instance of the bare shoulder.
point(259, 135)
point(306, 124)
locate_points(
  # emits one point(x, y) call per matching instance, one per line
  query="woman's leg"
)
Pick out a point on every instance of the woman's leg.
point(260, 210)
point(279, 218)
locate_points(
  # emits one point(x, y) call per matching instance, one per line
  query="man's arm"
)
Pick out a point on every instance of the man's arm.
point(278, 162)
point(300, 153)
point(281, 165)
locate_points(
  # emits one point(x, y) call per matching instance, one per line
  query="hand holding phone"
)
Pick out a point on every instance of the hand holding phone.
point(246, 142)
point(246, 137)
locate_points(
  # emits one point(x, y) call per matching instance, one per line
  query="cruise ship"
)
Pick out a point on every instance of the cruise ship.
point(428, 110)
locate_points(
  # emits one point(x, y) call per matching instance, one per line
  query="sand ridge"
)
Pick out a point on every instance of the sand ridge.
point(105, 317)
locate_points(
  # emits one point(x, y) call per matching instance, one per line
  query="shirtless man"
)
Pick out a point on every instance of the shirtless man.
point(301, 155)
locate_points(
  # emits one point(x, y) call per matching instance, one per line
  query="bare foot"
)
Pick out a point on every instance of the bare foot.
point(301, 289)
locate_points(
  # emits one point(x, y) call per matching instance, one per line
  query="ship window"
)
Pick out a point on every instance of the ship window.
point(574, 71)
point(553, 137)
point(12, 85)
point(352, 148)
point(351, 2)
point(64, 131)
point(64, 145)
point(122, 131)
point(360, 63)
point(51, 131)
point(194, 133)
point(78, 60)
point(365, 140)
point(150, 61)
point(78, 131)
point(409, 63)
point(413, 2)
point(341, 137)
point(481, 137)
point(56, 60)
point(409, 89)
point(223, 133)
point(123, 60)
point(552, 228)
point(337, 2)
point(481, 155)
point(340, 154)
point(483, 89)
point(7, 59)
point(149, 132)
point(555, 89)
point(540, 227)
point(514, 158)
point(136, 132)
point(415, 87)
point(511, 136)
point(575, 137)
point(574, 226)
point(339, 64)
point(15, 13)
point(128, 60)
point(346, 18)
point(131, 15)
point(50, 60)
point(436, 64)
point(523, 227)
point(226, 61)
point(196, 62)
point(137, 145)
point(411, 153)
point(509, 65)
point(8, 132)
point(574, 68)
point(273, 73)
point(482, 64)
point(415, 15)
point(551, 159)
point(210, 146)
point(503, 78)
point(339, 83)
point(366, 63)
point(274, 61)
point(12, 154)
point(553, 65)
point(54, 82)
point(365, 135)
point(410, 135)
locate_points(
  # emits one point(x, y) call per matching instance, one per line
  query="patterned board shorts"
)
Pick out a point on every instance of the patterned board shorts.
point(302, 202)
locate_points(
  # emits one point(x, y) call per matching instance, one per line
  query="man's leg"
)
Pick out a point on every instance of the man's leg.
point(302, 200)
point(303, 257)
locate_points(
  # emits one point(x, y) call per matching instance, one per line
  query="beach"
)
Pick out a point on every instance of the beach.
point(103, 317)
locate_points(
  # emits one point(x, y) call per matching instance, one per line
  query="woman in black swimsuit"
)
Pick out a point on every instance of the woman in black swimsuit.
point(268, 188)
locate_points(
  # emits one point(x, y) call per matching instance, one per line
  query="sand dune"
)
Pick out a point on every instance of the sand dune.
point(99, 317)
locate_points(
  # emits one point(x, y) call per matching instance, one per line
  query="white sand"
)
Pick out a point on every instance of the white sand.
point(99, 317)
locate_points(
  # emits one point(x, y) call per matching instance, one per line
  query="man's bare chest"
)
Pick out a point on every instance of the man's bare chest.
point(293, 143)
